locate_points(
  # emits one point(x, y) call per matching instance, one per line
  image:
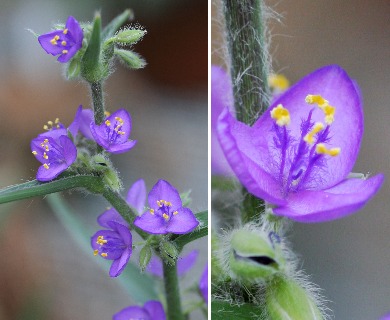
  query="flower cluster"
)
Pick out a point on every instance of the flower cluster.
point(298, 155)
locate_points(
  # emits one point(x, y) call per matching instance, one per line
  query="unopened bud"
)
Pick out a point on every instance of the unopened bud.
point(130, 59)
point(287, 300)
point(168, 252)
point(144, 257)
point(129, 36)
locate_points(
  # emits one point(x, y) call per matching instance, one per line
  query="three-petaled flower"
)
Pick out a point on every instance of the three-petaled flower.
point(65, 42)
point(166, 213)
point(152, 310)
point(113, 134)
point(114, 244)
point(299, 153)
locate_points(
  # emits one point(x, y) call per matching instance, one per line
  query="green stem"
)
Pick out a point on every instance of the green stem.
point(98, 105)
point(172, 292)
point(248, 54)
point(249, 71)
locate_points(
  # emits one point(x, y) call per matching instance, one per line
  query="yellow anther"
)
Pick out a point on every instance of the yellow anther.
point(57, 121)
point(316, 98)
point(46, 166)
point(45, 127)
point(54, 40)
point(47, 148)
point(167, 203)
point(104, 254)
point(50, 123)
point(64, 32)
point(100, 240)
point(323, 104)
point(34, 153)
point(329, 113)
point(166, 217)
point(107, 114)
point(121, 132)
point(159, 203)
point(95, 252)
point(278, 82)
point(63, 43)
point(45, 155)
point(120, 120)
point(309, 138)
point(321, 149)
point(175, 213)
point(64, 51)
point(151, 211)
point(107, 122)
point(280, 115)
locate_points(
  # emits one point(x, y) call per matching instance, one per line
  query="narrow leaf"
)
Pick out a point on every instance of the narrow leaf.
point(139, 286)
point(199, 232)
point(116, 23)
point(35, 188)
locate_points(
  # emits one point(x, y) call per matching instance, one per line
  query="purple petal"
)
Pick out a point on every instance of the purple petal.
point(86, 117)
point(204, 284)
point(247, 160)
point(123, 231)
point(333, 84)
point(133, 312)
point(182, 222)
point(163, 190)
point(119, 265)
point(65, 57)
point(333, 203)
point(69, 150)
point(113, 254)
point(110, 215)
point(136, 196)
point(151, 223)
point(74, 126)
point(221, 97)
point(44, 174)
point(121, 148)
point(45, 43)
point(155, 310)
point(75, 31)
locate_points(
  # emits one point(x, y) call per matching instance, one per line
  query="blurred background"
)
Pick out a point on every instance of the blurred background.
point(348, 258)
point(43, 274)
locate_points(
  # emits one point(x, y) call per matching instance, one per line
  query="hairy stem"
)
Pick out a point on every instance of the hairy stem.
point(172, 292)
point(98, 105)
point(249, 70)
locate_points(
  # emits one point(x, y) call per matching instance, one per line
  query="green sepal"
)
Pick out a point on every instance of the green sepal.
point(36, 188)
point(201, 231)
point(127, 36)
point(168, 252)
point(116, 23)
point(222, 310)
point(110, 176)
point(91, 69)
point(130, 59)
point(74, 69)
point(253, 256)
point(144, 257)
point(287, 300)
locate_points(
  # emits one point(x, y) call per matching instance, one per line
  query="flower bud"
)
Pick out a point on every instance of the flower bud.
point(287, 300)
point(168, 252)
point(129, 36)
point(130, 59)
point(255, 255)
point(144, 257)
point(110, 176)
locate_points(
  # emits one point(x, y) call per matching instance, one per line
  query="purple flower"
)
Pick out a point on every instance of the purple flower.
point(299, 153)
point(204, 284)
point(221, 97)
point(184, 264)
point(82, 122)
point(56, 155)
point(136, 197)
point(166, 214)
point(65, 42)
point(113, 134)
point(114, 244)
point(152, 310)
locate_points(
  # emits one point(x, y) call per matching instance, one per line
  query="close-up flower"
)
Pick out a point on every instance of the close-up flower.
point(299, 154)
point(55, 154)
point(113, 134)
point(114, 244)
point(65, 42)
point(221, 97)
point(166, 213)
point(151, 310)
point(184, 264)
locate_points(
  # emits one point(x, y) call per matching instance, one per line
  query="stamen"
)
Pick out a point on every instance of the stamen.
point(104, 254)
point(65, 31)
point(63, 43)
point(45, 127)
point(329, 114)
point(166, 217)
point(317, 99)
point(159, 203)
point(121, 132)
point(323, 104)
point(151, 211)
point(107, 114)
point(45, 155)
point(95, 252)
point(175, 213)
point(64, 51)
point(278, 82)
point(100, 240)
point(108, 123)
point(120, 120)
point(50, 123)
point(54, 40)
point(34, 153)
point(309, 138)
point(280, 115)
point(46, 166)
point(321, 149)
point(57, 121)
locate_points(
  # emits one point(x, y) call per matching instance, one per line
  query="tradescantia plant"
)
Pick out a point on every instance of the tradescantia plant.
point(78, 157)
point(278, 155)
